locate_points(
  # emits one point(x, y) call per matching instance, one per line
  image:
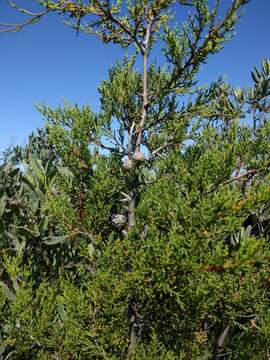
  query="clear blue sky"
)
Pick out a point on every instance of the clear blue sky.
point(48, 62)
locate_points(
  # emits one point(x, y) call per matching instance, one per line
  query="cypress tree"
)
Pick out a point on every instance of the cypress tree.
point(142, 231)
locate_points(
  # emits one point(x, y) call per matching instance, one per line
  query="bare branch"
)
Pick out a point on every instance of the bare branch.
point(242, 177)
point(144, 85)
point(6, 27)
point(162, 147)
point(20, 9)
point(103, 146)
point(130, 138)
point(109, 134)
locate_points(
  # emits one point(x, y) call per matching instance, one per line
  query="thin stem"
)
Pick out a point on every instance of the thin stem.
point(17, 27)
point(242, 177)
point(130, 138)
point(145, 105)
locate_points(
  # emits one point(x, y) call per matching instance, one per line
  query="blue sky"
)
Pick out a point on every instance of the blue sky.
point(47, 62)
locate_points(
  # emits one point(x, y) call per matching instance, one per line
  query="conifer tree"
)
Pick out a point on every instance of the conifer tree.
point(144, 105)
point(158, 205)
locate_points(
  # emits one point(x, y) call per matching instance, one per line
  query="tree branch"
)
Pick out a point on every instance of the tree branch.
point(6, 27)
point(240, 177)
point(144, 86)
point(130, 138)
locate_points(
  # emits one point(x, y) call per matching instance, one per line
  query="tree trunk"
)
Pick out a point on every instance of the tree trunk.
point(131, 210)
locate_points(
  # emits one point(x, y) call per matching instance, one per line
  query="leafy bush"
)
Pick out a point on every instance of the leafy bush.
point(142, 231)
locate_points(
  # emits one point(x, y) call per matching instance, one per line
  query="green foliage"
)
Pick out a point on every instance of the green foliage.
point(142, 231)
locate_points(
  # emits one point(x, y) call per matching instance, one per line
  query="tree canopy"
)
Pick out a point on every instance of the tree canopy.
point(141, 231)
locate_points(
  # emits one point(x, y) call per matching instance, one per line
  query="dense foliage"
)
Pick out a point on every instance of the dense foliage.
point(142, 231)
